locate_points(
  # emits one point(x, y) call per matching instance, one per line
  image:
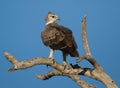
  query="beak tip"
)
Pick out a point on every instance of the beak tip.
point(58, 18)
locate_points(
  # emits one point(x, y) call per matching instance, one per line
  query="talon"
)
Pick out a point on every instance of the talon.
point(52, 59)
point(64, 63)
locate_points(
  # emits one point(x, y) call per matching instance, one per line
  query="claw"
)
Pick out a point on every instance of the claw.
point(52, 59)
point(64, 63)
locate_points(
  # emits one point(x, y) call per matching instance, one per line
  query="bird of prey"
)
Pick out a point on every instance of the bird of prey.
point(58, 37)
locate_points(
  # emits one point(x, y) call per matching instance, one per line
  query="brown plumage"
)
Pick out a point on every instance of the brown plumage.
point(58, 37)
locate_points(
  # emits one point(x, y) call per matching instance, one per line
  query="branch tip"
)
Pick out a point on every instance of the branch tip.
point(6, 53)
point(40, 77)
point(85, 16)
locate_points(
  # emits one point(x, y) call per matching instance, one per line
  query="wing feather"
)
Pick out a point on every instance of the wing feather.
point(69, 38)
point(59, 37)
point(52, 36)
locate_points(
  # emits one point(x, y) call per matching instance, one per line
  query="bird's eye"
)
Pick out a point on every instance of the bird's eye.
point(53, 16)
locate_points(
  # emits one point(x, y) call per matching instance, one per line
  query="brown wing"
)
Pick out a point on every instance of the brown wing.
point(70, 46)
point(69, 38)
point(51, 36)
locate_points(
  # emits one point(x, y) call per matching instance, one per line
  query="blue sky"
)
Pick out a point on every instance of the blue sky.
point(21, 22)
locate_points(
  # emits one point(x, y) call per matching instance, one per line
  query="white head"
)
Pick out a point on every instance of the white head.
point(51, 18)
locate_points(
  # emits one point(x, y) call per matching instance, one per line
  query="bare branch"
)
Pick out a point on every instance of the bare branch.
point(82, 83)
point(71, 71)
point(40, 61)
point(87, 55)
point(31, 62)
point(49, 75)
point(97, 73)
point(84, 37)
point(60, 71)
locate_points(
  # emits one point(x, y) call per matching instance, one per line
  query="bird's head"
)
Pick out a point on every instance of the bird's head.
point(51, 18)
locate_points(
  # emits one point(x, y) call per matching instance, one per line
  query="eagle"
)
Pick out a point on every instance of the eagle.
point(58, 37)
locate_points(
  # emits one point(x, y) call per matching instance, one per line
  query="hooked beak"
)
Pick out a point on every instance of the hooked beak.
point(58, 18)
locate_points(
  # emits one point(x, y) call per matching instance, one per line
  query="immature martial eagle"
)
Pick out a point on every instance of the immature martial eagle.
point(58, 37)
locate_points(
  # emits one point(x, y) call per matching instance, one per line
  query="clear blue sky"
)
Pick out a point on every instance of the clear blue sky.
point(21, 22)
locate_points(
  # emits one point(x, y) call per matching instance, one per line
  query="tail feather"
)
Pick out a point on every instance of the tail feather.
point(74, 53)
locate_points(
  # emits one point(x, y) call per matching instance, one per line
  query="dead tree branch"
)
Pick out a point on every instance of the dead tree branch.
point(71, 71)
point(60, 71)
point(97, 73)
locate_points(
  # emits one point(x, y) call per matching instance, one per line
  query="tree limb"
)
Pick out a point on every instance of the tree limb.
point(97, 73)
point(77, 79)
point(49, 75)
point(84, 37)
point(71, 71)
point(60, 71)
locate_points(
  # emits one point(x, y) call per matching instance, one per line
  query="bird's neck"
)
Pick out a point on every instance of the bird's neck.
point(49, 22)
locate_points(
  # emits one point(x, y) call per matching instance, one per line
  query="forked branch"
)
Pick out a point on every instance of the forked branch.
point(71, 71)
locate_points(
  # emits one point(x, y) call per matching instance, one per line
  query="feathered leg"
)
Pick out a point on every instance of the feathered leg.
point(51, 54)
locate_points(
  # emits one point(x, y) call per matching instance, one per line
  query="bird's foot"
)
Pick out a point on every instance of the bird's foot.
point(52, 59)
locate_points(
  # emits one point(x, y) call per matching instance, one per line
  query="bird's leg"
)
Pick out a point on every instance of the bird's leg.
point(64, 60)
point(51, 54)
